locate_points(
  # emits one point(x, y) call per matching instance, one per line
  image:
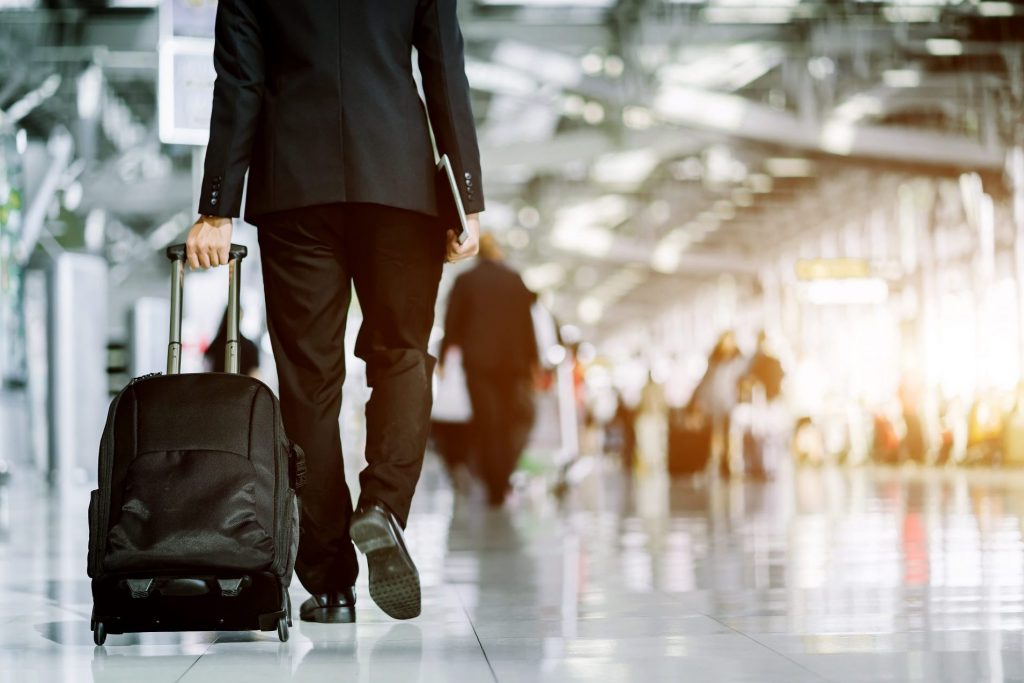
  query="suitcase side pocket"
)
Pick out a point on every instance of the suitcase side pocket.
point(94, 532)
point(290, 537)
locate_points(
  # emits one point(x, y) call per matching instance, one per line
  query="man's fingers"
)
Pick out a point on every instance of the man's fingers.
point(190, 254)
point(460, 252)
point(468, 248)
point(209, 243)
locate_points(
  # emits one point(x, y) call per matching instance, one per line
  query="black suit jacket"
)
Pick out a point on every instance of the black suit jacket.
point(317, 99)
point(489, 319)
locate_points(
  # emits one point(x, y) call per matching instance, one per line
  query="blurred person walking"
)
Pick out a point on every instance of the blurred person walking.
point(766, 370)
point(652, 426)
point(248, 352)
point(717, 393)
point(489, 319)
point(760, 414)
point(317, 101)
point(623, 426)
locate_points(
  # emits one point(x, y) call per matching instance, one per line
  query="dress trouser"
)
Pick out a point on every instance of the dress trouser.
point(503, 413)
point(311, 259)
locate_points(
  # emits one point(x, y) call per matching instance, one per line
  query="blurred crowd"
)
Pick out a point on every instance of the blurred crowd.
point(516, 392)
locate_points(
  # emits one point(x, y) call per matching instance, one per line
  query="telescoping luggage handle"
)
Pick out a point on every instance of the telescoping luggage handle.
point(176, 253)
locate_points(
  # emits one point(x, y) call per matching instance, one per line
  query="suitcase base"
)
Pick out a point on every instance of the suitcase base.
point(193, 602)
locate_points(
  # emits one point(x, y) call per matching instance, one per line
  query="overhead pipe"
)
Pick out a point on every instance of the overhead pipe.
point(739, 117)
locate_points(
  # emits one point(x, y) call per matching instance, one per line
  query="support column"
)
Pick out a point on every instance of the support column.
point(1015, 172)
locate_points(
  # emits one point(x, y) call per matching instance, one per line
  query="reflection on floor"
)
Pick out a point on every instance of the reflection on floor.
point(862, 575)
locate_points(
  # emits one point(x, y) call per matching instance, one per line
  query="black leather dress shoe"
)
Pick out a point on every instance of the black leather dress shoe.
point(394, 581)
point(330, 608)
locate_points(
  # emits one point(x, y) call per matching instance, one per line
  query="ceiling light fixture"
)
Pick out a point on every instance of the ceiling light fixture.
point(592, 63)
point(838, 137)
point(944, 47)
point(593, 113)
point(748, 15)
point(590, 310)
point(628, 168)
point(858, 107)
point(901, 78)
point(637, 118)
point(904, 14)
point(996, 9)
point(783, 167)
point(544, 276)
point(614, 66)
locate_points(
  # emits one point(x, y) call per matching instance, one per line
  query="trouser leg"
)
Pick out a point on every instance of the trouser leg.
point(494, 424)
point(306, 281)
point(397, 258)
point(522, 411)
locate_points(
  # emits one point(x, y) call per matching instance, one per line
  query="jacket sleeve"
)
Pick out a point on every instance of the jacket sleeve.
point(438, 41)
point(237, 98)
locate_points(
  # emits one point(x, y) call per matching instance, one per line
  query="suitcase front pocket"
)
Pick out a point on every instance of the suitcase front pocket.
point(189, 510)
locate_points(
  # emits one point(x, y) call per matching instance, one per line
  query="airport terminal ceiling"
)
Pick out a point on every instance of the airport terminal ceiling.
point(634, 150)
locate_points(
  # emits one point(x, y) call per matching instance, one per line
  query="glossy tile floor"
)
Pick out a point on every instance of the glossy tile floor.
point(855, 575)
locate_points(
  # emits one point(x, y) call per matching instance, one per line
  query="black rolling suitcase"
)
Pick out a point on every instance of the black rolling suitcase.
point(194, 525)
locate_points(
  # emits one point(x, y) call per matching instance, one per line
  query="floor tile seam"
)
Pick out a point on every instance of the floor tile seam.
point(465, 610)
point(196, 660)
point(770, 649)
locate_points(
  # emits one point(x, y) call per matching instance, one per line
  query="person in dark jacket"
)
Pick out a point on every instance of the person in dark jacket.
point(489, 319)
point(248, 352)
point(765, 369)
point(317, 101)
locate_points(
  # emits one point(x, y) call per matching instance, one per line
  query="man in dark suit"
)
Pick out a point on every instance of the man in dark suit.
point(489, 319)
point(317, 100)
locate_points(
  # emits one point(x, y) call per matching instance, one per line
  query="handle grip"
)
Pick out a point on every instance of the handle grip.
point(176, 254)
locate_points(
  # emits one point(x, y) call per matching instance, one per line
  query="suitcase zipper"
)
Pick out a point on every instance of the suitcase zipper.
point(104, 485)
point(283, 517)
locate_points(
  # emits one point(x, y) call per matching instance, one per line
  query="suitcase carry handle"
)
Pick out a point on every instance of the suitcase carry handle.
point(176, 254)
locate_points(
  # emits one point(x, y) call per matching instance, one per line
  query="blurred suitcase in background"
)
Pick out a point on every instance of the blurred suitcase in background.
point(194, 525)
point(689, 441)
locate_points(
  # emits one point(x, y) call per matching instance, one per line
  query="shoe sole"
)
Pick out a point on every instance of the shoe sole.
point(394, 581)
point(329, 615)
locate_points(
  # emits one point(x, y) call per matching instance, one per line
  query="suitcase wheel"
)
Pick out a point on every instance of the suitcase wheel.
point(282, 629)
point(99, 633)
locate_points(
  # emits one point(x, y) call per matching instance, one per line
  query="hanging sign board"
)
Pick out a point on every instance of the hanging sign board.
point(833, 269)
point(186, 70)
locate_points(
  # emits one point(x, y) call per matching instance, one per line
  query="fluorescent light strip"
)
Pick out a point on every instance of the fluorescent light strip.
point(748, 15)
point(944, 47)
point(901, 78)
point(996, 9)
